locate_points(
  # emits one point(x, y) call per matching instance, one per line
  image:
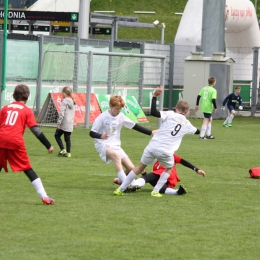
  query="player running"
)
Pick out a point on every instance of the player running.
point(13, 120)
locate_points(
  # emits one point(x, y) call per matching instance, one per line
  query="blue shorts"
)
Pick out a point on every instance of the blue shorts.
point(207, 115)
point(230, 107)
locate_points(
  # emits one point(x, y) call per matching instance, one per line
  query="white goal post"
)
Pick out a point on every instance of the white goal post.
point(89, 72)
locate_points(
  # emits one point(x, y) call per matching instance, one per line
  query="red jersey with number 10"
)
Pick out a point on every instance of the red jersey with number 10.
point(173, 179)
point(13, 120)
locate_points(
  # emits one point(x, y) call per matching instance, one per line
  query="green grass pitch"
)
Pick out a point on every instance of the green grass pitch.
point(217, 219)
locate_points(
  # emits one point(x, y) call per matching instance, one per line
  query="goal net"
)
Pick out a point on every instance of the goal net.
point(100, 75)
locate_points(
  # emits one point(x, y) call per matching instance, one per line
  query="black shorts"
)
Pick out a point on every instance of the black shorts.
point(153, 178)
point(207, 115)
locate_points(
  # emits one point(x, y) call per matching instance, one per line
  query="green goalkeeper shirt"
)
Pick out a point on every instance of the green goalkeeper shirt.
point(207, 93)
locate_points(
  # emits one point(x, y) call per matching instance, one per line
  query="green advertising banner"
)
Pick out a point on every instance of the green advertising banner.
point(7, 94)
point(133, 105)
point(22, 63)
point(131, 109)
point(103, 101)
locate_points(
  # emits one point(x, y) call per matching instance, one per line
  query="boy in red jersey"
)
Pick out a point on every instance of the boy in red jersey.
point(13, 120)
point(167, 188)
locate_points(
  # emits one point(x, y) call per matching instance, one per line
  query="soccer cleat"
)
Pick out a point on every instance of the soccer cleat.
point(135, 188)
point(67, 155)
point(181, 190)
point(156, 194)
point(203, 137)
point(225, 125)
point(132, 188)
point(118, 192)
point(62, 152)
point(229, 125)
point(210, 137)
point(48, 201)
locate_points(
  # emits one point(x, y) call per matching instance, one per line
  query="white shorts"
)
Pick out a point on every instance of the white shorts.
point(151, 155)
point(102, 151)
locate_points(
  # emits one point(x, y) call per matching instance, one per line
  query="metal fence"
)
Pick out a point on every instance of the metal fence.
point(25, 56)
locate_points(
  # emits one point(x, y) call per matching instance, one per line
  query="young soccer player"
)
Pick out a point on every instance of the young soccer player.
point(106, 131)
point(163, 144)
point(231, 100)
point(13, 120)
point(65, 122)
point(207, 99)
point(168, 187)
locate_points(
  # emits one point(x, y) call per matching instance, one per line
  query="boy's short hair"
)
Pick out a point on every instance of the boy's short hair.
point(211, 80)
point(116, 101)
point(21, 93)
point(182, 106)
point(237, 87)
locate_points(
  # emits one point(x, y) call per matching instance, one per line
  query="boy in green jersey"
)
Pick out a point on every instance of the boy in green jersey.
point(207, 99)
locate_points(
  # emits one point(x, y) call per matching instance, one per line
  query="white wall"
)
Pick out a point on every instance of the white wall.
point(241, 35)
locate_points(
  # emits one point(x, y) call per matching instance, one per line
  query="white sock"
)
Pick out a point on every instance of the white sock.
point(161, 181)
point(121, 176)
point(226, 121)
point(171, 191)
point(39, 188)
point(208, 129)
point(230, 119)
point(139, 182)
point(129, 178)
point(203, 130)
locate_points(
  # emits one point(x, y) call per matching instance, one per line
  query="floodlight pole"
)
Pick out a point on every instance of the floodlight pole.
point(83, 28)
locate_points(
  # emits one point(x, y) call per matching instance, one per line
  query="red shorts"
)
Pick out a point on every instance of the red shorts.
point(18, 159)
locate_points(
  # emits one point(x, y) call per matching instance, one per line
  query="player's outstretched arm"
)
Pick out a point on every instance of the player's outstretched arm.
point(154, 111)
point(143, 130)
point(191, 166)
point(39, 134)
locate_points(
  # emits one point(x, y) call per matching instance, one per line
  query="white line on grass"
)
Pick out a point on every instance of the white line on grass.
point(101, 174)
point(234, 183)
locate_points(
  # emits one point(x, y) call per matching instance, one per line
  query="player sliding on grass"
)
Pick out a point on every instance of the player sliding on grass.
point(106, 132)
point(163, 144)
point(13, 120)
point(231, 100)
point(157, 171)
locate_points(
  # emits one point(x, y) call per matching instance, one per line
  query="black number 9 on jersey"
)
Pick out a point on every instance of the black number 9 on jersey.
point(177, 128)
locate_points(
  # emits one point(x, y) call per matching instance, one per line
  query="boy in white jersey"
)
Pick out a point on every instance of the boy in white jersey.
point(106, 132)
point(163, 144)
